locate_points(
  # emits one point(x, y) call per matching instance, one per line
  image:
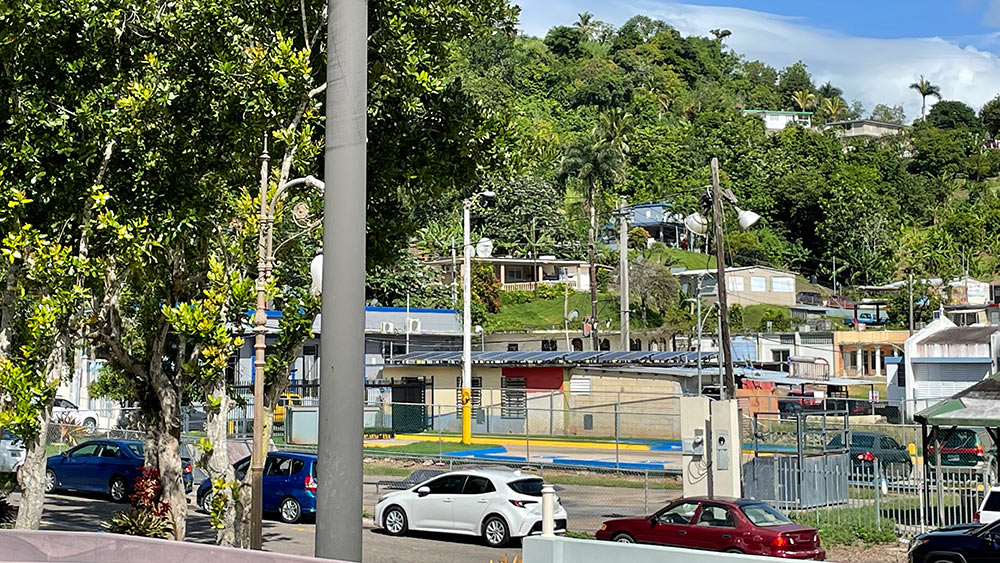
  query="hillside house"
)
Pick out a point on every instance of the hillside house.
point(778, 120)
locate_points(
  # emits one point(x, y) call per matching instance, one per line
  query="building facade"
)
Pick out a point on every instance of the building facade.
point(745, 286)
point(778, 120)
point(525, 273)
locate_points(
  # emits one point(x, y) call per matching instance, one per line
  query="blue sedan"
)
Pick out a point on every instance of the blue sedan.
point(289, 485)
point(104, 466)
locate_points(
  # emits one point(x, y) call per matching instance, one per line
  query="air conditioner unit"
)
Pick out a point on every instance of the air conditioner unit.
point(413, 325)
point(387, 327)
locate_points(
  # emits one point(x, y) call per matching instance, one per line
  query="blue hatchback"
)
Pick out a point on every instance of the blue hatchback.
point(289, 485)
point(106, 466)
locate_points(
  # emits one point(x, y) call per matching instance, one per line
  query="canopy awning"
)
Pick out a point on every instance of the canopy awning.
point(979, 405)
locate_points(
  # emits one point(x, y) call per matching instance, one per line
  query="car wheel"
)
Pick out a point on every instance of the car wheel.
point(206, 502)
point(117, 489)
point(623, 538)
point(732, 550)
point(495, 532)
point(394, 521)
point(50, 481)
point(90, 425)
point(290, 510)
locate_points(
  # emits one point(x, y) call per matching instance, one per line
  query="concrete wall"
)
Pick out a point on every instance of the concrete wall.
point(567, 550)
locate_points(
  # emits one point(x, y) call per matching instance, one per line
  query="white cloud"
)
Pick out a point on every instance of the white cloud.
point(872, 70)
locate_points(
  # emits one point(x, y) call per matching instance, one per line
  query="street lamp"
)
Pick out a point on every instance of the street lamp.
point(697, 224)
point(700, 323)
point(265, 263)
point(467, 315)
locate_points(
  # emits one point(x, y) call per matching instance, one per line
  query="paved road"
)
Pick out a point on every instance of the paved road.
point(85, 512)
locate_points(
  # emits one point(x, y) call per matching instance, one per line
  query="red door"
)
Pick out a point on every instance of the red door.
point(673, 525)
point(715, 528)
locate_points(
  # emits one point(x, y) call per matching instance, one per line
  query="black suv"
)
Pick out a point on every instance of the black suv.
point(868, 447)
point(966, 543)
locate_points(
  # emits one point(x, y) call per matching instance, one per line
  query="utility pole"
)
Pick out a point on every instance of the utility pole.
point(260, 348)
point(910, 284)
point(454, 275)
point(466, 324)
point(341, 418)
point(834, 274)
point(623, 272)
point(697, 298)
point(729, 384)
point(593, 270)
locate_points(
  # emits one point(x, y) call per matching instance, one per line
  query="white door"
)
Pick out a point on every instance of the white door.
point(989, 511)
point(435, 510)
point(471, 505)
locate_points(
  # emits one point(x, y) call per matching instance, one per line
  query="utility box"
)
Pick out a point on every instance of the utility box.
point(694, 447)
point(726, 449)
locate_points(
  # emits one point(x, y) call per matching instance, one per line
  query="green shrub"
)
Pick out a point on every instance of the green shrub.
point(550, 291)
point(138, 522)
point(517, 296)
point(603, 279)
point(842, 526)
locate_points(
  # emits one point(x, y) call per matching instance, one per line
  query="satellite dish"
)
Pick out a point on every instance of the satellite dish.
point(572, 315)
point(484, 248)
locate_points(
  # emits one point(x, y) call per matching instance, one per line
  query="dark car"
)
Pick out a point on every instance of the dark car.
point(289, 485)
point(104, 466)
point(719, 524)
point(966, 543)
point(869, 450)
point(809, 298)
point(798, 401)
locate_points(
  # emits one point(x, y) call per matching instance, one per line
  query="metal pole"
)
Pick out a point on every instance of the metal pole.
point(623, 273)
point(593, 272)
point(617, 410)
point(911, 302)
point(260, 346)
point(341, 416)
point(454, 277)
point(407, 323)
point(729, 384)
point(698, 301)
point(466, 325)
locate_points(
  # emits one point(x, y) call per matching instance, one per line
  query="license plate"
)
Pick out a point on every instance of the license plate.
point(15, 454)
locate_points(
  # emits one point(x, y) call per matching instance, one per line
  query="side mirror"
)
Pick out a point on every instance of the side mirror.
point(424, 491)
point(64, 454)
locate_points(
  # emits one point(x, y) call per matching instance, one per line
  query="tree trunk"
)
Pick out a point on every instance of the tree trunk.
point(593, 269)
point(242, 515)
point(32, 477)
point(218, 466)
point(168, 450)
point(29, 513)
point(7, 300)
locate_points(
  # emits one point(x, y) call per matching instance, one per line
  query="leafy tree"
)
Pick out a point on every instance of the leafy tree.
point(565, 41)
point(925, 89)
point(939, 152)
point(949, 114)
point(637, 237)
point(654, 285)
point(588, 26)
point(792, 79)
point(856, 110)
point(989, 115)
point(526, 218)
point(888, 114)
point(926, 300)
point(485, 291)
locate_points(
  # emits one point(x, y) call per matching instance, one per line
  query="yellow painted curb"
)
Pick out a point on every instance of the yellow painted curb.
point(531, 443)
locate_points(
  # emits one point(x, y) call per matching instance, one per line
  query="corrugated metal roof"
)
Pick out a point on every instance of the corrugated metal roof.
point(962, 335)
point(617, 358)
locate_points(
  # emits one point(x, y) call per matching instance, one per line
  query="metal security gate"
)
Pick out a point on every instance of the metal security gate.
point(409, 405)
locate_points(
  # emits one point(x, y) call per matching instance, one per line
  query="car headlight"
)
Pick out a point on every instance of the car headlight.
point(604, 527)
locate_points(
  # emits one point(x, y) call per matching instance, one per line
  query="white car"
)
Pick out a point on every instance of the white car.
point(11, 452)
point(496, 505)
point(989, 509)
point(65, 410)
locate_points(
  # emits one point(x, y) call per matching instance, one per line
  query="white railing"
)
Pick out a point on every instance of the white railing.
point(530, 286)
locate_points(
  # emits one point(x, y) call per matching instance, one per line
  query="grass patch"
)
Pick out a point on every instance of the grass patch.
point(752, 315)
point(579, 535)
point(545, 313)
point(386, 470)
point(429, 448)
point(848, 526)
point(690, 260)
point(542, 437)
point(615, 481)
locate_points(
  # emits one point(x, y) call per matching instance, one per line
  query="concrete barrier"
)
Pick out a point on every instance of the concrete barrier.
point(568, 550)
point(86, 547)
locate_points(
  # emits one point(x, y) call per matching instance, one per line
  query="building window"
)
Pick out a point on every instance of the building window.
point(654, 346)
point(515, 274)
point(635, 345)
point(787, 339)
point(758, 283)
point(548, 345)
point(477, 394)
point(605, 345)
point(577, 344)
point(512, 347)
point(780, 356)
point(513, 398)
point(734, 283)
point(783, 285)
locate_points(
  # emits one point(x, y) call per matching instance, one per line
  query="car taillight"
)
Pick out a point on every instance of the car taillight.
point(979, 449)
point(311, 483)
point(867, 456)
point(188, 469)
point(975, 517)
point(779, 541)
point(522, 503)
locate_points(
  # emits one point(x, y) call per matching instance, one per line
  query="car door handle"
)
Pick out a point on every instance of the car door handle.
point(446, 500)
point(681, 532)
point(482, 501)
point(726, 536)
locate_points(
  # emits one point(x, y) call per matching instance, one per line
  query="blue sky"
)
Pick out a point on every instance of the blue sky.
point(873, 50)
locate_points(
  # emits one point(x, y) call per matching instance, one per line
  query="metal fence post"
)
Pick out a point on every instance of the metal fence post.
point(645, 493)
point(878, 493)
point(527, 437)
point(551, 406)
point(617, 405)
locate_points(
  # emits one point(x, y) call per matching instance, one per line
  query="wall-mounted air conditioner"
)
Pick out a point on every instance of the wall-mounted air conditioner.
point(387, 327)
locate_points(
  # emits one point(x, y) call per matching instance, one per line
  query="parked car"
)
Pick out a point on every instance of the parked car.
point(989, 509)
point(65, 410)
point(719, 524)
point(809, 298)
point(289, 485)
point(108, 466)
point(866, 318)
point(11, 452)
point(963, 451)
point(496, 505)
point(840, 302)
point(798, 401)
point(286, 399)
point(965, 543)
point(868, 448)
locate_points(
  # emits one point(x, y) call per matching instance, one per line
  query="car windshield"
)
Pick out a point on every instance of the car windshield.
point(136, 449)
point(764, 515)
point(7, 435)
point(531, 487)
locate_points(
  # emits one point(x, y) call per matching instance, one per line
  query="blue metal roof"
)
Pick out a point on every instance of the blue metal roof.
point(454, 357)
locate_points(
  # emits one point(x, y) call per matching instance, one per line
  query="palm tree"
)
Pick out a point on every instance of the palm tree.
point(614, 127)
point(828, 90)
point(587, 25)
point(925, 88)
point(835, 109)
point(803, 99)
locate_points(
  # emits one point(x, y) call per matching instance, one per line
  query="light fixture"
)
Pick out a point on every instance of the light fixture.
point(696, 223)
point(316, 273)
point(488, 193)
point(746, 218)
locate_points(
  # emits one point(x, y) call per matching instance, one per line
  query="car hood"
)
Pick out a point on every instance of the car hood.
point(950, 531)
point(631, 521)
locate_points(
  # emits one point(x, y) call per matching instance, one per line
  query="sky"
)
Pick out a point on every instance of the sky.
point(872, 50)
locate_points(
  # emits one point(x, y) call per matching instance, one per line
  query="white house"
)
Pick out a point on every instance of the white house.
point(778, 120)
point(526, 273)
point(941, 360)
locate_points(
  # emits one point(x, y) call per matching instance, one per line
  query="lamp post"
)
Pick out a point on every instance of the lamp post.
point(697, 224)
point(700, 322)
point(265, 263)
point(467, 315)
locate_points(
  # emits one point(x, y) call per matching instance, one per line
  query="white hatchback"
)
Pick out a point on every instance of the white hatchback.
point(496, 505)
point(989, 509)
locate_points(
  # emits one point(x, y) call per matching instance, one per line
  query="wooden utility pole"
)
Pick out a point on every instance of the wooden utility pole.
point(593, 270)
point(623, 272)
point(725, 348)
